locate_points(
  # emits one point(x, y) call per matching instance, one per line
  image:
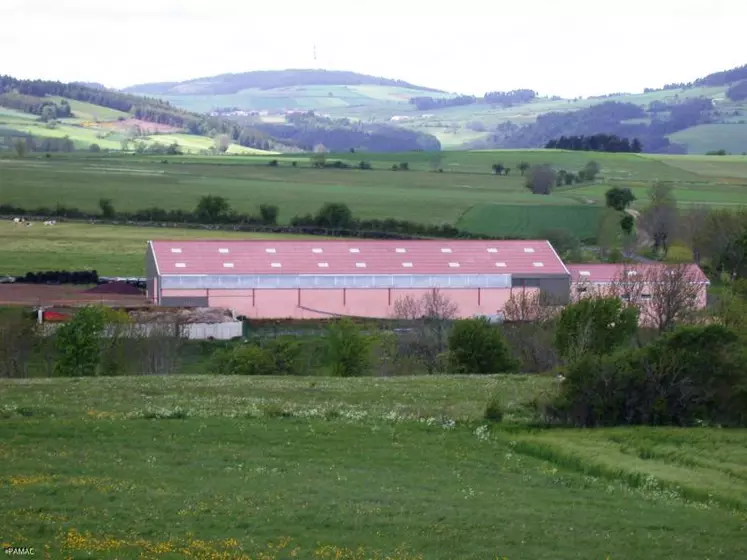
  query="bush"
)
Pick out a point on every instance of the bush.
point(246, 359)
point(689, 376)
point(349, 349)
point(476, 346)
point(541, 179)
point(494, 409)
point(78, 343)
point(594, 325)
point(285, 352)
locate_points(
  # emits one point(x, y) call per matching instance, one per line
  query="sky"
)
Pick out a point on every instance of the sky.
point(556, 47)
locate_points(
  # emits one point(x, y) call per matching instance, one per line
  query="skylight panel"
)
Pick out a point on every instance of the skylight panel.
point(360, 265)
point(454, 264)
point(176, 250)
point(276, 265)
point(322, 265)
point(400, 250)
point(227, 265)
point(223, 251)
point(528, 250)
point(446, 250)
point(538, 264)
point(354, 250)
point(270, 250)
point(407, 264)
point(500, 264)
point(585, 273)
point(492, 250)
point(180, 265)
point(317, 250)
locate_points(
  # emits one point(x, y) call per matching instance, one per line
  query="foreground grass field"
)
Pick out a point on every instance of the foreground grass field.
point(397, 468)
point(110, 250)
point(466, 193)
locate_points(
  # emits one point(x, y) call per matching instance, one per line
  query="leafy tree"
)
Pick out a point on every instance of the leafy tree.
point(107, 209)
point(540, 179)
point(591, 170)
point(269, 214)
point(627, 223)
point(334, 215)
point(212, 208)
point(78, 341)
point(636, 147)
point(476, 346)
point(319, 159)
point(349, 349)
point(619, 198)
point(94, 148)
point(498, 168)
point(222, 142)
point(523, 166)
point(245, 359)
point(594, 325)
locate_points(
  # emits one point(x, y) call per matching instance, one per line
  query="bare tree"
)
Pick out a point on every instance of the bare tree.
point(431, 317)
point(692, 229)
point(529, 329)
point(541, 179)
point(665, 295)
point(659, 219)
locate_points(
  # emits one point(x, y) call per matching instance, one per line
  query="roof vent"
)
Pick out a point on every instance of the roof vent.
point(270, 251)
point(585, 273)
point(355, 250)
point(446, 250)
point(492, 250)
point(538, 264)
point(360, 265)
point(407, 264)
point(317, 250)
point(401, 250)
point(322, 265)
point(176, 250)
point(632, 273)
point(180, 265)
point(454, 265)
point(276, 265)
point(223, 251)
point(227, 265)
point(528, 250)
point(500, 264)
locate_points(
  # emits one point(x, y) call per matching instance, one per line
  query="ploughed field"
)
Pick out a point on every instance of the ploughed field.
point(302, 467)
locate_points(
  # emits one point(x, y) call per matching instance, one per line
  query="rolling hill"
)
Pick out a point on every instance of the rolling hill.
point(496, 120)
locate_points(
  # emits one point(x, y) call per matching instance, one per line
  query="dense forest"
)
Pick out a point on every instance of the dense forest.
point(738, 92)
point(722, 78)
point(596, 143)
point(340, 135)
point(625, 120)
point(267, 79)
point(500, 98)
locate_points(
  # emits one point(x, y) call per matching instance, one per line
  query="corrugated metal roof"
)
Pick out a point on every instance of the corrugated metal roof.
point(605, 273)
point(357, 257)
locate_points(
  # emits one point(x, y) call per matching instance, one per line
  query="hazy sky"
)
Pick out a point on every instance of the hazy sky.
point(563, 47)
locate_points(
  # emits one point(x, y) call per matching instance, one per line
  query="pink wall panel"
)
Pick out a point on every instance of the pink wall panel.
point(183, 293)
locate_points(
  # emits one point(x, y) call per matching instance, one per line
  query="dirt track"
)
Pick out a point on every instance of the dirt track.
point(34, 294)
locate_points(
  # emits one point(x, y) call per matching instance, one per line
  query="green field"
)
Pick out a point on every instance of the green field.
point(466, 193)
point(352, 469)
point(110, 250)
point(712, 137)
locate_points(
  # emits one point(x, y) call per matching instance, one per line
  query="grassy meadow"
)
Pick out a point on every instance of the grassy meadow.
point(466, 193)
point(110, 250)
point(351, 469)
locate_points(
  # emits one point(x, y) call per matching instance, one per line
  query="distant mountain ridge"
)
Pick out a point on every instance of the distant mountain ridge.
point(268, 79)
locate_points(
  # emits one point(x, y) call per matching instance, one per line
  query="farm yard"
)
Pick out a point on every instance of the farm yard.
point(320, 468)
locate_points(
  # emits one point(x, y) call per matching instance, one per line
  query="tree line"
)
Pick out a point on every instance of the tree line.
point(332, 218)
point(596, 143)
point(45, 108)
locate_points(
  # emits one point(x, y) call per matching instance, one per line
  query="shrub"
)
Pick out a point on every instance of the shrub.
point(247, 359)
point(78, 343)
point(349, 349)
point(476, 346)
point(269, 214)
point(688, 376)
point(285, 352)
point(540, 179)
point(494, 409)
point(594, 325)
point(273, 163)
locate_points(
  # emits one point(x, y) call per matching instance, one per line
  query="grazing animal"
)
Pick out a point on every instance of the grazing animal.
point(29, 224)
point(17, 220)
point(50, 223)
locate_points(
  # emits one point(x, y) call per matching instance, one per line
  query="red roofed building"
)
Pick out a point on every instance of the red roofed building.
point(362, 278)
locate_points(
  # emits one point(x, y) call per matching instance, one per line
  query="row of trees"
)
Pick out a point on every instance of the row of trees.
point(542, 179)
point(502, 98)
point(596, 143)
point(45, 108)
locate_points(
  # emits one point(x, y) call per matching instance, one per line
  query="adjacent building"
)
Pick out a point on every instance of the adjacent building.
point(359, 278)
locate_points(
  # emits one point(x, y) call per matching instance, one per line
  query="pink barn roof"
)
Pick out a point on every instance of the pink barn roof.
point(536, 258)
point(606, 273)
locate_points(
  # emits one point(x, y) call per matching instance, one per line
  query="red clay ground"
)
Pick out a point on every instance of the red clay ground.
point(36, 294)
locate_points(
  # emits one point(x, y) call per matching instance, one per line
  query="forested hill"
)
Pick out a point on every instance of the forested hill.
point(267, 79)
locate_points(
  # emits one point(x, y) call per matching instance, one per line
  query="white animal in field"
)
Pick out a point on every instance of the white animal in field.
point(50, 223)
point(29, 224)
point(17, 220)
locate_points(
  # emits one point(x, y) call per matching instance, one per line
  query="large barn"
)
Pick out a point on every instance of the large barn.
point(359, 278)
